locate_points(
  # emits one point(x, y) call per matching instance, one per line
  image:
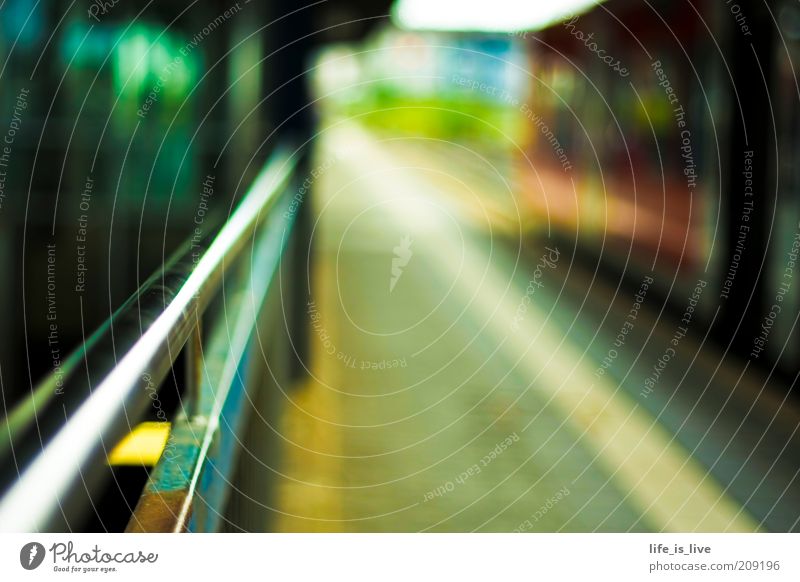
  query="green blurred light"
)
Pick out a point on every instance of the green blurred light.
point(130, 71)
point(148, 57)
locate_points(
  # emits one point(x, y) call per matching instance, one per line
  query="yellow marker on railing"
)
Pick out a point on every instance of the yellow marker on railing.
point(142, 446)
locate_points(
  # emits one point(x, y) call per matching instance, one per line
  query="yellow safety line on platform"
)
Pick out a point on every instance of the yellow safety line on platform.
point(310, 494)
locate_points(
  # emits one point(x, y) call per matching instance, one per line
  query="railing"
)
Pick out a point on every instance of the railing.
point(54, 446)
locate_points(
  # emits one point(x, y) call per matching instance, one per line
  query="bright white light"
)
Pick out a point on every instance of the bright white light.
point(485, 15)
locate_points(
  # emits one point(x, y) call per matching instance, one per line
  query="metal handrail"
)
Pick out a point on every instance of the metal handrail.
point(203, 468)
point(53, 446)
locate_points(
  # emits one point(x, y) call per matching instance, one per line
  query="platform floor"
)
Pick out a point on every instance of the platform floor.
point(461, 397)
